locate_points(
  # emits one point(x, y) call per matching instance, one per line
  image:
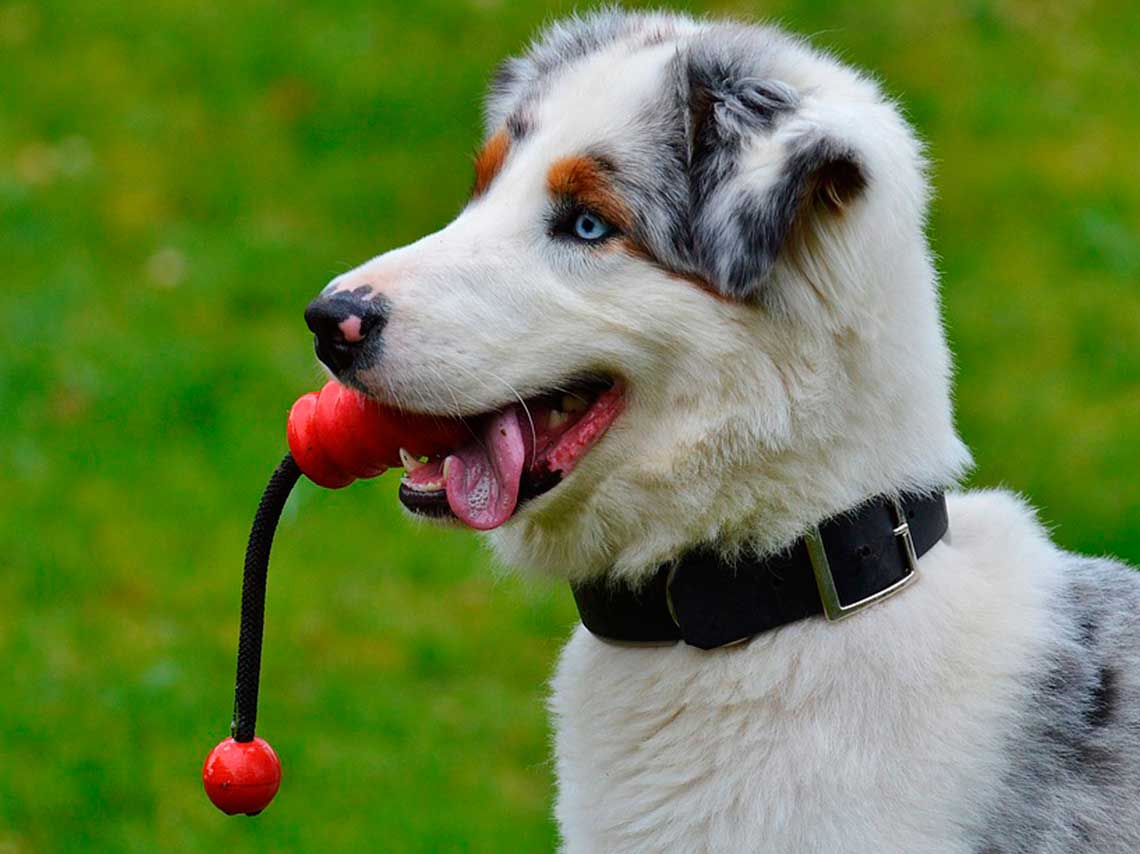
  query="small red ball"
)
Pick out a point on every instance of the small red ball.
point(242, 776)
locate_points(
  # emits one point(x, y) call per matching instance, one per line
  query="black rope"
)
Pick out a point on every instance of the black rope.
point(253, 596)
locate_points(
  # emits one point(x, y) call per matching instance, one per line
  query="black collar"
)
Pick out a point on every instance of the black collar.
point(841, 566)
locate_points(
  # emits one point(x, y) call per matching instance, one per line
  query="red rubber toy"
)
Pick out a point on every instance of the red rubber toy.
point(335, 436)
point(242, 777)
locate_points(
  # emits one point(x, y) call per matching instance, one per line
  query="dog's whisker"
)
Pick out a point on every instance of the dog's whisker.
point(451, 390)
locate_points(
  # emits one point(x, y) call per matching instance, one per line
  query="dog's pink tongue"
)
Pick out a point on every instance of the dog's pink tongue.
point(483, 476)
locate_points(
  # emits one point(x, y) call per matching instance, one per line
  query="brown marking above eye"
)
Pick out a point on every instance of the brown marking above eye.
point(585, 181)
point(489, 161)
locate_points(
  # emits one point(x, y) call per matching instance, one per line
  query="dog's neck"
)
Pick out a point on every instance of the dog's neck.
point(850, 562)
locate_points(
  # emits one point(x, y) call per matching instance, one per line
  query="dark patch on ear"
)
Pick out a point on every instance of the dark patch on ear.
point(839, 183)
point(724, 111)
point(1104, 697)
point(726, 101)
point(819, 176)
point(817, 173)
point(737, 232)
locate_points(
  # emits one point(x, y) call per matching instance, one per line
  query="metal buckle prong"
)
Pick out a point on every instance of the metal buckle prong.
point(833, 608)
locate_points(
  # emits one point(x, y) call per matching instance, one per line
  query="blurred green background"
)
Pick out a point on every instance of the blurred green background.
point(178, 178)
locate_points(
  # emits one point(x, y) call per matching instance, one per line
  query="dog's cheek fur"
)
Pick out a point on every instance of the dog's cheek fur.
point(686, 423)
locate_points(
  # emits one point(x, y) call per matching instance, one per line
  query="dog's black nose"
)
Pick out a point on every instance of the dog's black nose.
point(343, 324)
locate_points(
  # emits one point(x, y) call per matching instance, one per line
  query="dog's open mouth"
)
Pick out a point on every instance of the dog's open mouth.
point(514, 454)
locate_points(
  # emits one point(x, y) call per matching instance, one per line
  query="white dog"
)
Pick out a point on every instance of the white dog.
point(690, 316)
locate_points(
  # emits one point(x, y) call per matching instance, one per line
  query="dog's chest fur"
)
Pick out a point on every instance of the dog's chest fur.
point(930, 724)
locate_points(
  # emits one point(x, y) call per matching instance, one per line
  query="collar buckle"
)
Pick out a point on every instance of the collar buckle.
point(833, 608)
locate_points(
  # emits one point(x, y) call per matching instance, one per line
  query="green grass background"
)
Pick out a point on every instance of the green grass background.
point(178, 178)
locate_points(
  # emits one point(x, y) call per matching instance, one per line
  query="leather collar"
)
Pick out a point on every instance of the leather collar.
point(867, 554)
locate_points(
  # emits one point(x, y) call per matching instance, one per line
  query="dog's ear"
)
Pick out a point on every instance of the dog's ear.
point(760, 176)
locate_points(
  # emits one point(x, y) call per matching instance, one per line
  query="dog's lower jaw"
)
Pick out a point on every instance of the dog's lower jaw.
point(884, 733)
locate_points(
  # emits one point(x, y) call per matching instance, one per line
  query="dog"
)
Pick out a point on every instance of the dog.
point(690, 309)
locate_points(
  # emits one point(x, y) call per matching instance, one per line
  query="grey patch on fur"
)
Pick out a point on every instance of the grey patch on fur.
point(677, 165)
point(729, 232)
point(1104, 698)
point(518, 125)
point(741, 248)
point(1072, 779)
point(727, 103)
point(731, 245)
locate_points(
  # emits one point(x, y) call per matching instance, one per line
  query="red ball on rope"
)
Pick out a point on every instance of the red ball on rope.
point(335, 436)
point(242, 776)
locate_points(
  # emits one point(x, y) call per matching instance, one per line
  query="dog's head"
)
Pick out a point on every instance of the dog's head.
point(689, 300)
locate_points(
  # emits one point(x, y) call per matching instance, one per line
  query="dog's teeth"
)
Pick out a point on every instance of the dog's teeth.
point(570, 403)
point(556, 419)
point(446, 467)
point(410, 462)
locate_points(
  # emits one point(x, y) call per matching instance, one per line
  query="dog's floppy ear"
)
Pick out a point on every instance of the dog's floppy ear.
point(759, 177)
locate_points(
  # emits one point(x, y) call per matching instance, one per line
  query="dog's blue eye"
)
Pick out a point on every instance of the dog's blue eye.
point(590, 227)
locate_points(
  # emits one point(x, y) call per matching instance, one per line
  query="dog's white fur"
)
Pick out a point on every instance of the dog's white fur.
point(745, 425)
point(878, 734)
